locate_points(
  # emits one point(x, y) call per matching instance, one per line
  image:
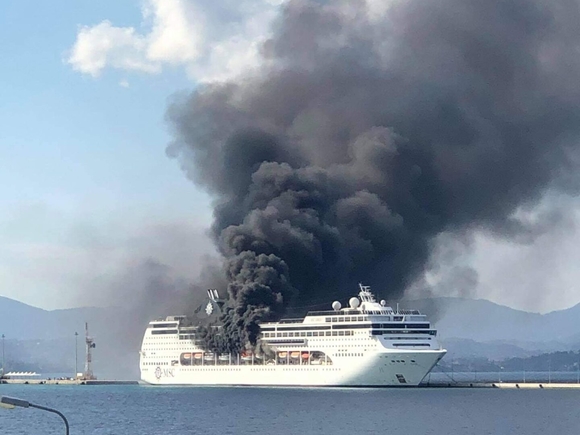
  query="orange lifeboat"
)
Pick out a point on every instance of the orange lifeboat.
point(282, 354)
point(305, 355)
point(295, 355)
point(197, 355)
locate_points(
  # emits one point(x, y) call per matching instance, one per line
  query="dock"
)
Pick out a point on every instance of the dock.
point(67, 382)
point(503, 385)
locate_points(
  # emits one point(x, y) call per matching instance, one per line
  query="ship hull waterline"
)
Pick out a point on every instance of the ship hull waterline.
point(381, 369)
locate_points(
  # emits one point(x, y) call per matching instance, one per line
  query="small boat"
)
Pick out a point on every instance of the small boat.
point(282, 354)
point(295, 355)
point(305, 355)
point(246, 356)
point(209, 356)
point(224, 357)
point(186, 356)
point(315, 362)
point(197, 355)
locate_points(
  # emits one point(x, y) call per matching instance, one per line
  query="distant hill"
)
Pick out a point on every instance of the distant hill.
point(485, 321)
point(117, 336)
point(467, 328)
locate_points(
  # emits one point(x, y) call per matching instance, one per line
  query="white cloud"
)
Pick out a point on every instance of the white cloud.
point(211, 40)
point(124, 83)
point(105, 45)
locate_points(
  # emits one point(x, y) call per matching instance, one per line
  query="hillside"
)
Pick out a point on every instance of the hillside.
point(467, 328)
point(484, 321)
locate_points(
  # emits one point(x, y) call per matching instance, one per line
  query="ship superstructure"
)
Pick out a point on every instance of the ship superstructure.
point(365, 344)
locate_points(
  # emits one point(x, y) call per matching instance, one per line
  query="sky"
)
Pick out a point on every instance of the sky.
point(87, 192)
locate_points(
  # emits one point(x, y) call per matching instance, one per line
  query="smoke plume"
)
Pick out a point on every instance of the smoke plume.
point(369, 131)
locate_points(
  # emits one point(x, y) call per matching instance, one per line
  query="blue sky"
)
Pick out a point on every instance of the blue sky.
point(77, 153)
point(86, 190)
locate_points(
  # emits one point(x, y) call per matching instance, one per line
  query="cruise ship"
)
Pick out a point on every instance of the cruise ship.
point(366, 344)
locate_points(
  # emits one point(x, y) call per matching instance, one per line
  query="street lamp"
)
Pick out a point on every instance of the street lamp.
point(76, 354)
point(3, 369)
point(11, 402)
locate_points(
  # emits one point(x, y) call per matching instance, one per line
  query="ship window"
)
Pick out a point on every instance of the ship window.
point(309, 334)
point(340, 332)
point(347, 319)
point(165, 325)
point(285, 334)
point(333, 319)
point(165, 331)
point(334, 333)
point(341, 319)
point(315, 334)
point(327, 319)
point(328, 333)
point(360, 318)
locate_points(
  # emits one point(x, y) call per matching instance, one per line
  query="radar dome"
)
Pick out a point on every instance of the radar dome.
point(336, 305)
point(354, 303)
point(383, 303)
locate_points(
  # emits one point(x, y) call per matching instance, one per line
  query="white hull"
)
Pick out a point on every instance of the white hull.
point(366, 345)
point(377, 370)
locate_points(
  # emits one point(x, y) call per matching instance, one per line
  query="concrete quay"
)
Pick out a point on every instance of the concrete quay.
point(66, 382)
point(504, 385)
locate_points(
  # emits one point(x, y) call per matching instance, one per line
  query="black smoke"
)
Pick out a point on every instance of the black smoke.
point(366, 133)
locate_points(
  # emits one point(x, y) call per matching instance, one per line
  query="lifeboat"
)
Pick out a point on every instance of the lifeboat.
point(282, 354)
point(315, 362)
point(197, 355)
point(294, 355)
point(246, 356)
point(305, 355)
point(186, 356)
point(209, 356)
point(224, 357)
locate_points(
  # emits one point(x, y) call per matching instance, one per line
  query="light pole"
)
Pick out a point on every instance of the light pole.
point(76, 354)
point(3, 369)
point(11, 402)
point(500, 369)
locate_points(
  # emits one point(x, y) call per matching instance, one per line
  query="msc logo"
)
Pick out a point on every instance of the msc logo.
point(163, 373)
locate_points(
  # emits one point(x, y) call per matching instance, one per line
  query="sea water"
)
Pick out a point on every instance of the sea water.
point(146, 410)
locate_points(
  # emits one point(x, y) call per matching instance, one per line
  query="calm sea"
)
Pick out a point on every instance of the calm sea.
point(140, 410)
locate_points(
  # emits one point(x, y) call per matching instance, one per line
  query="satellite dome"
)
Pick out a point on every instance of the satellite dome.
point(336, 305)
point(383, 303)
point(354, 303)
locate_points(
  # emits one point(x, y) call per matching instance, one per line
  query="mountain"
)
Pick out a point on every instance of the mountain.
point(47, 338)
point(484, 321)
point(467, 328)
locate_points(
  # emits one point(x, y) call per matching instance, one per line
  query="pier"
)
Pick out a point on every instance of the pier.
point(503, 385)
point(67, 382)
